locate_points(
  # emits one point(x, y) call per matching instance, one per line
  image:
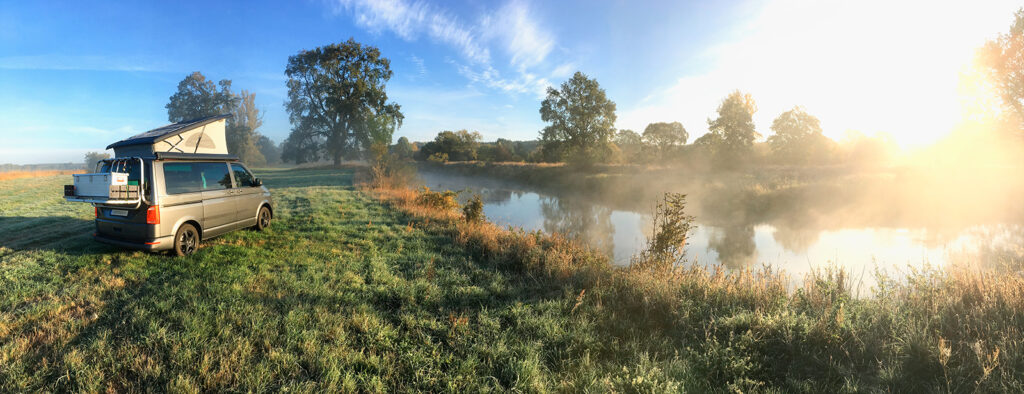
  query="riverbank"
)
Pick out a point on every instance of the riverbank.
point(695, 329)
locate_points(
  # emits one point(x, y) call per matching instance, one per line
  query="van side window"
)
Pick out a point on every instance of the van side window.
point(243, 177)
point(195, 177)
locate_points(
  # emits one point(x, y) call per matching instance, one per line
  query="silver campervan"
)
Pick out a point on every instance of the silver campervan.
point(169, 188)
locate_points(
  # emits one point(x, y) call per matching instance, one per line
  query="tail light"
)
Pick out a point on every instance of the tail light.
point(96, 211)
point(153, 215)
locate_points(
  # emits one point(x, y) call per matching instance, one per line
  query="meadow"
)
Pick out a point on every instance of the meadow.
point(381, 289)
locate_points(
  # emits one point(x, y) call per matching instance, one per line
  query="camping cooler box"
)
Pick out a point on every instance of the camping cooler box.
point(112, 185)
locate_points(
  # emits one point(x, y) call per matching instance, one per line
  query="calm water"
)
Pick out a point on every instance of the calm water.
point(621, 234)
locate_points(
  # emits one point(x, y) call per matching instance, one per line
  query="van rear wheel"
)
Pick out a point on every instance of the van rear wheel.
point(263, 219)
point(186, 241)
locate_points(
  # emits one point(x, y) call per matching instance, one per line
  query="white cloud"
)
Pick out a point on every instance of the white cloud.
point(874, 66)
point(564, 70)
point(409, 20)
point(526, 43)
point(526, 83)
point(512, 29)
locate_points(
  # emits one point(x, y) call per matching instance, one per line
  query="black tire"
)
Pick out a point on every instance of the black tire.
point(186, 241)
point(263, 219)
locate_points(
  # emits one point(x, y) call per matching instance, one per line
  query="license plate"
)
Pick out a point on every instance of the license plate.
point(118, 212)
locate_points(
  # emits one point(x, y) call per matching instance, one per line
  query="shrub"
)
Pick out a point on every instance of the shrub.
point(444, 201)
point(474, 209)
point(388, 170)
point(667, 244)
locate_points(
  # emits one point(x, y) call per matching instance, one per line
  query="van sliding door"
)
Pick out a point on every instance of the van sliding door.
point(218, 201)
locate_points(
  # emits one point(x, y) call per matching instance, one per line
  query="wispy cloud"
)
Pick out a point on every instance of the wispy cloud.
point(511, 29)
point(421, 69)
point(526, 82)
point(409, 20)
point(525, 41)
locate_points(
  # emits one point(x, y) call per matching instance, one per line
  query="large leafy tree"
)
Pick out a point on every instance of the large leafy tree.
point(337, 101)
point(798, 138)
point(580, 120)
point(665, 138)
point(199, 97)
point(1004, 59)
point(733, 131)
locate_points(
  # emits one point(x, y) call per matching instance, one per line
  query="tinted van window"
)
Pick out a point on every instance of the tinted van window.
point(243, 177)
point(195, 177)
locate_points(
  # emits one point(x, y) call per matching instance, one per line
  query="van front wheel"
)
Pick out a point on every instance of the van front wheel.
point(186, 241)
point(263, 219)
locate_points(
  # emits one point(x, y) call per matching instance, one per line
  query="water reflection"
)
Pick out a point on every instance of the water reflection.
point(589, 223)
point(796, 241)
point(734, 245)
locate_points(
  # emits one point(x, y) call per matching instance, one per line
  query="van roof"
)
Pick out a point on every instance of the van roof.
point(161, 133)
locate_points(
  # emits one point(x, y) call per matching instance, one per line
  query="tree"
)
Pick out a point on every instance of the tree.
point(336, 98)
point(733, 130)
point(269, 149)
point(241, 132)
point(403, 148)
point(629, 142)
point(1003, 58)
point(198, 97)
point(459, 145)
point(798, 138)
point(581, 121)
point(92, 157)
point(665, 138)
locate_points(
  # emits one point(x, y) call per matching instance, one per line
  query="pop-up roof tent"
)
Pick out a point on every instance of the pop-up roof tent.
point(196, 136)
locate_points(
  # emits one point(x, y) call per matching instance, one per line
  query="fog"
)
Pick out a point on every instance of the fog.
point(955, 202)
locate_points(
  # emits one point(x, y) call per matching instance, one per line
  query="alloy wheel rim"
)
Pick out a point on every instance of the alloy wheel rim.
point(188, 242)
point(264, 219)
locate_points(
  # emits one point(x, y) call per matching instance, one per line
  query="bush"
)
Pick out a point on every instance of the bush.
point(666, 246)
point(474, 209)
point(444, 201)
point(388, 169)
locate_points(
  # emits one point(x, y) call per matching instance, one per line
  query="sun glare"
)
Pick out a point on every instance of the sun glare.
point(880, 66)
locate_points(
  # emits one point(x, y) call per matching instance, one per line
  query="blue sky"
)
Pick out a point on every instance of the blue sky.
point(75, 76)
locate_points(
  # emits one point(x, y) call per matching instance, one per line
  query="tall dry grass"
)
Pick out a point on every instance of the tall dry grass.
point(38, 173)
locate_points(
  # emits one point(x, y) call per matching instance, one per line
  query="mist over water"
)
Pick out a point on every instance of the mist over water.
point(792, 243)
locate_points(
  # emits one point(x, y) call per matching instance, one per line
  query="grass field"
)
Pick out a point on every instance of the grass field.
point(340, 294)
point(354, 290)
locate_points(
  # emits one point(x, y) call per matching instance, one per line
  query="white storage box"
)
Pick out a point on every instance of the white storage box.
point(98, 184)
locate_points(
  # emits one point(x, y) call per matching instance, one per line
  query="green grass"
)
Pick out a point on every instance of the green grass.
point(346, 293)
point(340, 294)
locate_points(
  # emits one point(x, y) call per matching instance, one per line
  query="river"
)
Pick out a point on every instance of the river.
point(622, 233)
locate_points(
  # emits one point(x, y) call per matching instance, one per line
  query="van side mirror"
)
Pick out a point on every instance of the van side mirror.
point(257, 182)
